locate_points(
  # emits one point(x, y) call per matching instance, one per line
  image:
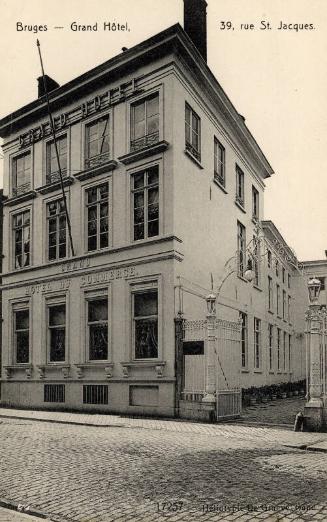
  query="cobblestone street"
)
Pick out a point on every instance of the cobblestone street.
point(85, 473)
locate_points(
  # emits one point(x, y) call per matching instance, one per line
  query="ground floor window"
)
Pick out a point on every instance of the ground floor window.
point(244, 339)
point(57, 332)
point(271, 344)
point(145, 324)
point(257, 342)
point(21, 335)
point(97, 327)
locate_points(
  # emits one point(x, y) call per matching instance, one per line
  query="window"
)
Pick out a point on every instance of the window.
point(97, 326)
point(278, 299)
point(270, 294)
point(288, 280)
point(277, 268)
point(241, 248)
point(54, 393)
point(145, 195)
point(290, 352)
point(56, 225)
point(289, 308)
point(269, 258)
point(284, 351)
point(145, 318)
point(21, 239)
point(57, 332)
point(240, 186)
point(284, 304)
point(271, 346)
point(145, 122)
point(97, 208)
point(257, 343)
point(283, 274)
point(256, 256)
point(192, 132)
point(52, 163)
point(21, 174)
point(219, 159)
point(255, 203)
point(244, 339)
point(97, 145)
point(278, 348)
point(21, 336)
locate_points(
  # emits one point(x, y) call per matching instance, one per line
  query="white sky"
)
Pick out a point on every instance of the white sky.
point(276, 79)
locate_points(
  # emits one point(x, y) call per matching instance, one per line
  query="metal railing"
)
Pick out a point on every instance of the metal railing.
point(145, 141)
point(196, 153)
point(54, 177)
point(97, 161)
point(229, 403)
point(22, 189)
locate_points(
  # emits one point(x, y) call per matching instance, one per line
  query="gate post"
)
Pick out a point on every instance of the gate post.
point(314, 407)
point(210, 391)
point(179, 363)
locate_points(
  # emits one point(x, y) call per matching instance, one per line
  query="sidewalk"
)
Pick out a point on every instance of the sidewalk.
point(262, 435)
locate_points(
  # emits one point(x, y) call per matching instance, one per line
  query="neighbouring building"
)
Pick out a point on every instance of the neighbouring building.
point(318, 269)
point(164, 183)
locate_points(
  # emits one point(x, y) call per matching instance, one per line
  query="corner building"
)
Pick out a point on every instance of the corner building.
point(162, 179)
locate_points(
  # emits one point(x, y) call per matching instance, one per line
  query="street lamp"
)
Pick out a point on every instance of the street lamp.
point(314, 286)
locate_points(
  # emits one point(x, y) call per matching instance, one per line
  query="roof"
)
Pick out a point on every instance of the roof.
point(173, 39)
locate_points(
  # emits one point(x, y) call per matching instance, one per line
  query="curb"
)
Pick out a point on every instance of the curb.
point(55, 421)
point(23, 509)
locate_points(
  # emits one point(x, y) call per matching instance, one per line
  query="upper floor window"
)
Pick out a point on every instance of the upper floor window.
point(219, 166)
point(241, 248)
point(288, 280)
point(97, 208)
point(21, 240)
point(97, 326)
point(240, 186)
point(322, 282)
point(256, 259)
point(21, 174)
point(284, 304)
point(278, 348)
point(271, 345)
point(278, 299)
point(97, 145)
point(270, 294)
point(21, 335)
point(277, 268)
point(257, 342)
point(244, 339)
point(192, 132)
point(57, 332)
point(145, 122)
point(255, 203)
point(145, 203)
point(269, 258)
point(52, 162)
point(145, 318)
point(56, 226)
point(283, 274)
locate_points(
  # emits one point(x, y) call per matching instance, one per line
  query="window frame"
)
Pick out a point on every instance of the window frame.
point(91, 297)
point(270, 294)
point(50, 303)
point(255, 203)
point(144, 99)
point(18, 306)
point(195, 152)
point(240, 186)
point(279, 331)
point(48, 202)
point(86, 188)
point(244, 320)
point(278, 300)
point(13, 173)
point(141, 287)
point(271, 347)
point(146, 187)
point(241, 248)
point(88, 122)
point(257, 341)
point(219, 162)
point(13, 215)
point(47, 159)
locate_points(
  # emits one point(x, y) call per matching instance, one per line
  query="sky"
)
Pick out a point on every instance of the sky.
point(276, 78)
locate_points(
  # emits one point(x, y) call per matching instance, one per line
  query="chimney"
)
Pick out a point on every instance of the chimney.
point(50, 85)
point(195, 24)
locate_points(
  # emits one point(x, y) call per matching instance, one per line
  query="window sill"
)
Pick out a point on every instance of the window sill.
point(271, 312)
point(52, 187)
point(144, 363)
point(64, 367)
point(257, 370)
point(27, 367)
point(132, 157)
point(15, 200)
point(193, 158)
point(216, 182)
point(245, 370)
point(92, 172)
point(102, 365)
point(240, 206)
point(271, 372)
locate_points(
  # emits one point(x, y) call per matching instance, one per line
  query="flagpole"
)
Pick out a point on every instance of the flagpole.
point(57, 153)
